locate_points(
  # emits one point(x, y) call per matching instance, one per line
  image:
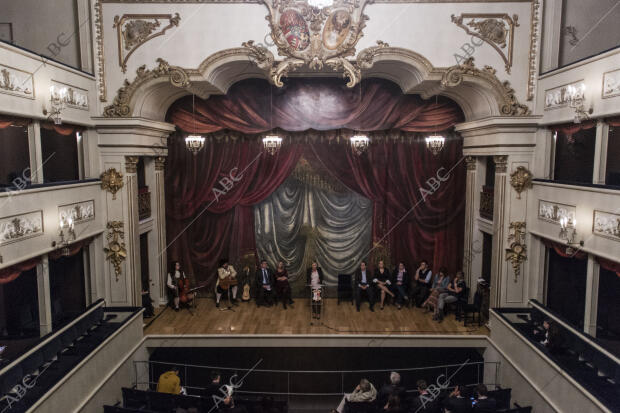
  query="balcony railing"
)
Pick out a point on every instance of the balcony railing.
point(486, 202)
point(144, 203)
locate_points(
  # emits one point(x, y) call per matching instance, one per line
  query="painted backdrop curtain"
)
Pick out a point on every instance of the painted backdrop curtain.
point(301, 222)
point(206, 221)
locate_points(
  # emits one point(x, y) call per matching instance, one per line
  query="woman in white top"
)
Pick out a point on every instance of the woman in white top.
point(314, 278)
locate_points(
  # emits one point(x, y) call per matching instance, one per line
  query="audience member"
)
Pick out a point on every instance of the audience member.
point(456, 291)
point(456, 402)
point(393, 404)
point(214, 386)
point(169, 382)
point(421, 283)
point(483, 404)
point(425, 402)
point(264, 285)
point(362, 286)
point(283, 288)
point(440, 285)
point(365, 392)
point(382, 281)
point(393, 387)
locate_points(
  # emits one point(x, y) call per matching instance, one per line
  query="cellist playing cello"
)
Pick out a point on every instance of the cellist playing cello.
point(178, 284)
point(226, 282)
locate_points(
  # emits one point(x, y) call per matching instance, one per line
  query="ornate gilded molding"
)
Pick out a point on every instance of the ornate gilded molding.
point(533, 56)
point(120, 106)
point(100, 51)
point(131, 164)
point(470, 162)
point(112, 181)
point(20, 227)
point(501, 163)
point(510, 105)
point(134, 30)
point(517, 253)
point(160, 163)
point(496, 29)
point(116, 251)
point(520, 180)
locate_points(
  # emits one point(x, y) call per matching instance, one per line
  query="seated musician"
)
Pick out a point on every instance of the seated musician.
point(226, 282)
point(177, 280)
point(264, 285)
point(314, 278)
point(283, 289)
point(362, 286)
point(400, 284)
point(382, 281)
point(421, 283)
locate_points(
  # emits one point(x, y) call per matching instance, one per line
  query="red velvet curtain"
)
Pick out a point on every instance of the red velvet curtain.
point(11, 273)
point(570, 129)
point(609, 265)
point(561, 250)
point(6, 121)
point(63, 129)
point(74, 248)
point(209, 197)
point(613, 121)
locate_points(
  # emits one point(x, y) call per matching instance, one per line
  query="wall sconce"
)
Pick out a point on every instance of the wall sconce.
point(568, 232)
point(58, 102)
point(576, 100)
point(66, 224)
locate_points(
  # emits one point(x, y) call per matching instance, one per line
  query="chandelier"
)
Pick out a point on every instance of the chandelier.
point(194, 143)
point(359, 143)
point(272, 144)
point(435, 143)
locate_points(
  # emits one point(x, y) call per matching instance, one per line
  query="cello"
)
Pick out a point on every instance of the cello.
point(184, 294)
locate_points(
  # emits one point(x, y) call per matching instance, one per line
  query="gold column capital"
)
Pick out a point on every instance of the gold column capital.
point(501, 163)
point(131, 164)
point(470, 161)
point(160, 163)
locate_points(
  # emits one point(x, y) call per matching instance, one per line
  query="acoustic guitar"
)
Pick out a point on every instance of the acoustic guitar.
point(226, 283)
point(246, 286)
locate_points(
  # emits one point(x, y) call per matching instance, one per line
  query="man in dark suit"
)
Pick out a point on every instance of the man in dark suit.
point(456, 402)
point(393, 387)
point(363, 281)
point(425, 402)
point(483, 404)
point(400, 284)
point(264, 285)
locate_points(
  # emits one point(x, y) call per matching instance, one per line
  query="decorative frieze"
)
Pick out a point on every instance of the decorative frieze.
point(20, 227)
point(16, 82)
point(611, 84)
point(559, 97)
point(77, 98)
point(79, 212)
point(606, 224)
point(553, 212)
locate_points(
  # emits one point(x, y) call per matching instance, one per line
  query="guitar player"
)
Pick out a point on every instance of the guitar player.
point(226, 282)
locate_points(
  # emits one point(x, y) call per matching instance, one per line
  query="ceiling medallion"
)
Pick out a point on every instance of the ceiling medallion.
point(313, 34)
point(520, 180)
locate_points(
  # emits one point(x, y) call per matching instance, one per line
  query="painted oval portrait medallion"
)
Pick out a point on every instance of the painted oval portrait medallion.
point(295, 29)
point(336, 29)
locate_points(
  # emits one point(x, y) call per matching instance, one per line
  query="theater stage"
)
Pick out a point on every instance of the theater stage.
point(337, 319)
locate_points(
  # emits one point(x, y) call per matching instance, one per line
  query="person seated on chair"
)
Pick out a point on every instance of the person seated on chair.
point(425, 402)
point(365, 392)
point(382, 281)
point(169, 382)
point(264, 285)
point(393, 404)
point(283, 288)
point(147, 303)
point(421, 283)
point(394, 387)
point(314, 278)
point(551, 338)
point(483, 404)
point(214, 386)
point(440, 285)
point(175, 277)
point(456, 402)
point(454, 293)
point(226, 282)
point(362, 286)
point(400, 281)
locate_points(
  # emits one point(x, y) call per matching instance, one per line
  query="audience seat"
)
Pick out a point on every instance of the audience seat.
point(345, 287)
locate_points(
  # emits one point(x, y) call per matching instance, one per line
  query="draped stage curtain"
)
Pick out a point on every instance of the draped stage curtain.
point(208, 217)
point(300, 222)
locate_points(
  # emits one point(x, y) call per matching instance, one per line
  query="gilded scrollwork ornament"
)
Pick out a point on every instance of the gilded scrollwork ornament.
point(116, 252)
point(112, 181)
point(517, 253)
point(520, 180)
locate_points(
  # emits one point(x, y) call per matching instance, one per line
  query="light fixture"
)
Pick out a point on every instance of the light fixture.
point(435, 142)
point(568, 231)
point(359, 143)
point(58, 102)
point(320, 3)
point(194, 143)
point(272, 144)
point(576, 97)
point(66, 224)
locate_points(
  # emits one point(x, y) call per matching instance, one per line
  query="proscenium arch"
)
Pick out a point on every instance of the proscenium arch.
point(478, 92)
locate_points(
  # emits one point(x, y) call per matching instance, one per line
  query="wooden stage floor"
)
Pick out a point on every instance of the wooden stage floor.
point(336, 319)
